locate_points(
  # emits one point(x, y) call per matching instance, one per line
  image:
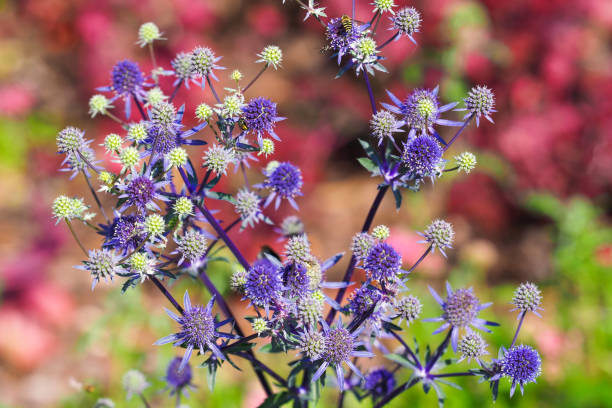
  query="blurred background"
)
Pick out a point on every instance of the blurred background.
point(537, 207)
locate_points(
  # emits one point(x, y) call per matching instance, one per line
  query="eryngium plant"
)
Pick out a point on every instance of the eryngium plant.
point(162, 199)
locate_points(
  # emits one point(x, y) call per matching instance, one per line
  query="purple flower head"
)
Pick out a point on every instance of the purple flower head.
point(421, 111)
point(183, 69)
point(101, 264)
point(141, 191)
point(178, 379)
point(363, 299)
point(298, 282)
point(340, 347)
point(260, 116)
point(264, 284)
point(125, 233)
point(204, 62)
point(527, 298)
point(422, 155)
point(80, 161)
point(339, 39)
point(285, 181)
point(522, 364)
point(126, 78)
point(198, 330)
point(383, 262)
point(379, 382)
point(439, 234)
point(479, 102)
point(407, 21)
point(459, 311)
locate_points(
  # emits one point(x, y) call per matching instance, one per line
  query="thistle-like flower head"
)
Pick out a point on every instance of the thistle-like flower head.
point(379, 382)
point(192, 246)
point(407, 21)
point(217, 158)
point(383, 124)
point(271, 55)
point(71, 140)
point(472, 345)
point(264, 283)
point(466, 162)
point(480, 102)
point(527, 298)
point(285, 182)
point(522, 365)
point(439, 234)
point(361, 244)
point(312, 344)
point(127, 78)
point(101, 264)
point(260, 116)
point(134, 383)
point(408, 308)
point(383, 263)
point(422, 155)
point(297, 249)
point(247, 207)
point(147, 33)
point(178, 379)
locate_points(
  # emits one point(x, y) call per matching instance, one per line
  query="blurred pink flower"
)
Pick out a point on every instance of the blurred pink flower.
point(16, 100)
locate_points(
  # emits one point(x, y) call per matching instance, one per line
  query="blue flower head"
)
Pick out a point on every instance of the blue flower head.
point(379, 383)
point(383, 263)
point(126, 78)
point(339, 39)
point(422, 155)
point(340, 348)
point(522, 364)
point(459, 311)
point(285, 181)
point(141, 191)
point(125, 233)
point(298, 282)
point(198, 330)
point(421, 111)
point(260, 116)
point(177, 379)
point(264, 284)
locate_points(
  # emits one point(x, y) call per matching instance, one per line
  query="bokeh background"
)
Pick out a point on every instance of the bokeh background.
point(537, 208)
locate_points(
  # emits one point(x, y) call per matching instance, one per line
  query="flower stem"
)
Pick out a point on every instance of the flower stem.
point(176, 89)
point(88, 163)
point(139, 106)
point(122, 260)
point(407, 347)
point(427, 251)
point(439, 351)
point(95, 196)
point(467, 373)
point(393, 37)
point(397, 392)
point(144, 400)
point(167, 294)
point(255, 79)
point(74, 235)
point(212, 89)
point(467, 121)
point(370, 93)
point(220, 232)
point(518, 328)
point(351, 267)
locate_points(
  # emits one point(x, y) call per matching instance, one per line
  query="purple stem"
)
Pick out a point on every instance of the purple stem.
point(467, 121)
point(167, 294)
point(139, 106)
point(383, 45)
point(212, 88)
point(452, 375)
point(407, 347)
point(176, 88)
point(518, 328)
point(439, 351)
point(351, 267)
point(221, 233)
point(397, 392)
point(263, 367)
point(185, 180)
point(420, 259)
point(255, 79)
point(95, 196)
point(370, 93)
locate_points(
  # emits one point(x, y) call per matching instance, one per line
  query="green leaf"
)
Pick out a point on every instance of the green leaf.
point(276, 400)
point(215, 195)
point(398, 198)
point(368, 164)
point(399, 359)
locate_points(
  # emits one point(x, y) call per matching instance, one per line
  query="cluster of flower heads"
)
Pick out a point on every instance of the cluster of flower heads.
point(160, 193)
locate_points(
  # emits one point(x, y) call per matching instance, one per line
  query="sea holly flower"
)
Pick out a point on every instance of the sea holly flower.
point(271, 55)
point(460, 311)
point(364, 52)
point(203, 112)
point(522, 365)
point(383, 6)
point(312, 344)
point(80, 162)
point(247, 207)
point(340, 41)
point(155, 96)
point(383, 263)
point(198, 330)
point(466, 162)
point(472, 346)
point(178, 381)
point(71, 140)
point(147, 33)
point(260, 117)
point(285, 182)
point(422, 156)
point(297, 249)
point(203, 63)
point(263, 284)
point(183, 207)
point(66, 208)
point(217, 158)
point(112, 143)
point(127, 81)
point(381, 232)
point(101, 264)
point(129, 158)
point(141, 265)
point(99, 104)
point(361, 244)
point(141, 191)
point(137, 132)
point(479, 102)
point(238, 280)
point(192, 245)
point(379, 382)
point(439, 234)
point(183, 69)
point(340, 347)
point(407, 308)
point(125, 233)
point(421, 111)
point(134, 383)
point(383, 124)
point(290, 226)
point(527, 298)
point(407, 21)
point(309, 308)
